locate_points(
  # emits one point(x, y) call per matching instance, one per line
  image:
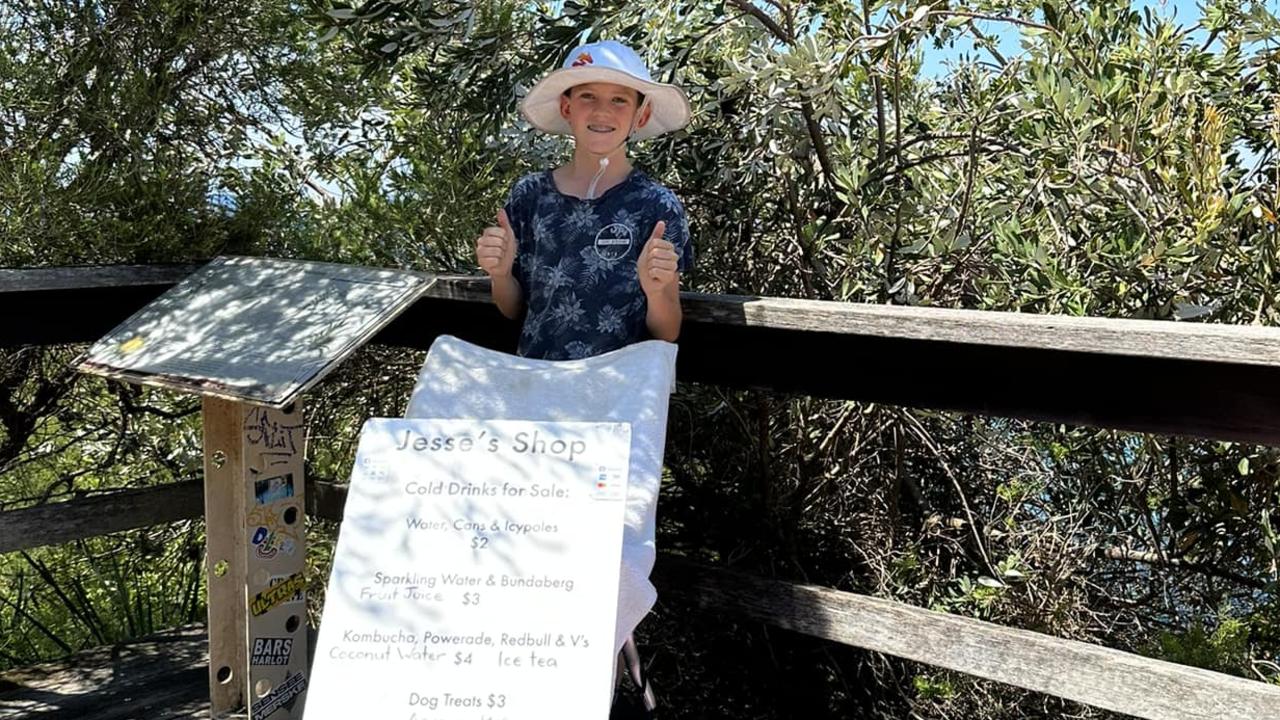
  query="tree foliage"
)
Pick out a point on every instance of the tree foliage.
point(1118, 163)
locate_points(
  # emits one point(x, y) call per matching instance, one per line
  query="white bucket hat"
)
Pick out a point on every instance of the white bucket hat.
point(606, 61)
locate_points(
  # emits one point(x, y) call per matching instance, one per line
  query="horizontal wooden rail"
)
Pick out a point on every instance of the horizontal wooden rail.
point(1091, 674)
point(1198, 379)
point(1094, 675)
point(1205, 342)
point(115, 511)
point(100, 514)
point(1155, 339)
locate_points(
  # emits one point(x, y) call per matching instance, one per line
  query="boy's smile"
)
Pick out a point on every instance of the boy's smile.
point(601, 115)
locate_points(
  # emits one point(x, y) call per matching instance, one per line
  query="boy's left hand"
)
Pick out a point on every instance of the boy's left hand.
point(657, 264)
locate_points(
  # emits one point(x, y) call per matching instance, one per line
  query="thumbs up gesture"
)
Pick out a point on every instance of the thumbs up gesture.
point(657, 264)
point(496, 248)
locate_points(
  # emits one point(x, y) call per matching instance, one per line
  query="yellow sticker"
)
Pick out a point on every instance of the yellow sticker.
point(132, 345)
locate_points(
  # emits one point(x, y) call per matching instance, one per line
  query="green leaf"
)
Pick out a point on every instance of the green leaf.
point(1083, 105)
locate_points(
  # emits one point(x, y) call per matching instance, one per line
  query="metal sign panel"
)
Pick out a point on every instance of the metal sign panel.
point(260, 330)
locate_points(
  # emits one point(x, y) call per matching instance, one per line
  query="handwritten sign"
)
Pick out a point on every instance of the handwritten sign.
point(476, 573)
point(261, 330)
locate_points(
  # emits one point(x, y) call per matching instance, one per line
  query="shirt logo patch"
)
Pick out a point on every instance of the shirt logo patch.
point(613, 242)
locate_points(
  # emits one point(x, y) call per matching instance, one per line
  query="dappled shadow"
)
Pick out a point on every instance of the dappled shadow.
point(632, 385)
point(257, 329)
point(484, 391)
point(464, 477)
point(163, 676)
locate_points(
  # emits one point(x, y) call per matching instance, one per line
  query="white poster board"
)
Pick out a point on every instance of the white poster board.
point(476, 573)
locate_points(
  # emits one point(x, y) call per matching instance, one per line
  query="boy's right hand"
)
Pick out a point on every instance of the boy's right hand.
point(496, 248)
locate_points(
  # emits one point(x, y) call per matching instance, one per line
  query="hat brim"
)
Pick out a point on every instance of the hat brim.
point(541, 107)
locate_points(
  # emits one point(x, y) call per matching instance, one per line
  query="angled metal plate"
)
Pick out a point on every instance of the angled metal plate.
point(258, 330)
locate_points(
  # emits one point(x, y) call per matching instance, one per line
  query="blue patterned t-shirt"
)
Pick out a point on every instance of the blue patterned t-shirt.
point(576, 262)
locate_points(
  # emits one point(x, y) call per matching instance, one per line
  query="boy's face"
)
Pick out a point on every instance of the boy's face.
point(600, 114)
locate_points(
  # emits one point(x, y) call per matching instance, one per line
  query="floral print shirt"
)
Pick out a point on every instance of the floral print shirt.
point(576, 262)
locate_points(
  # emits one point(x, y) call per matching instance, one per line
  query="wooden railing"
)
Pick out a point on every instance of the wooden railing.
point(1107, 373)
point(1082, 371)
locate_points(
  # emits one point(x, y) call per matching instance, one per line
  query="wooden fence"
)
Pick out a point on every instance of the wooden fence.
point(1202, 380)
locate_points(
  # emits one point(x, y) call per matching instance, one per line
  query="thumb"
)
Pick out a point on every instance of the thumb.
point(503, 221)
point(658, 230)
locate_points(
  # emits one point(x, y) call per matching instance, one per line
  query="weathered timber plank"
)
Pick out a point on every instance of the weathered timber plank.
point(1176, 397)
point(1213, 381)
point(325, 499)
point(1206, 342)
point(226, 561)
point(1227, 401)
point(1090, 674)
point(80, 277)
point(161, 677)
point(1209, 342)
point(119, 510)
point(48, 306)
point(94, 515)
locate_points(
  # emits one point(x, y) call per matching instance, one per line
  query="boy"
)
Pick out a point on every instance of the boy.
point(591, 253)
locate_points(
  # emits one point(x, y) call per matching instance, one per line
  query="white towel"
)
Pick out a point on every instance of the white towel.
point(461, 380)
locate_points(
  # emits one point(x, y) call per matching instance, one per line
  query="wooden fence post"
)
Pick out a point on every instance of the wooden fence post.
point(256, 530)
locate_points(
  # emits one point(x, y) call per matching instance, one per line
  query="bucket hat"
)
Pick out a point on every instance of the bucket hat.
point(612, 62)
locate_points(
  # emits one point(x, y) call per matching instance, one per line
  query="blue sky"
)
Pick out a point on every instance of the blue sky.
point(1185, 12)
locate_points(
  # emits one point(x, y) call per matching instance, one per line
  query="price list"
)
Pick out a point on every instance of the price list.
point(476, 573)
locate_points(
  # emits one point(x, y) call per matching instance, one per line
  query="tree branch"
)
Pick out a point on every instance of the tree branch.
point(763, 17)
point(1150, 558)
